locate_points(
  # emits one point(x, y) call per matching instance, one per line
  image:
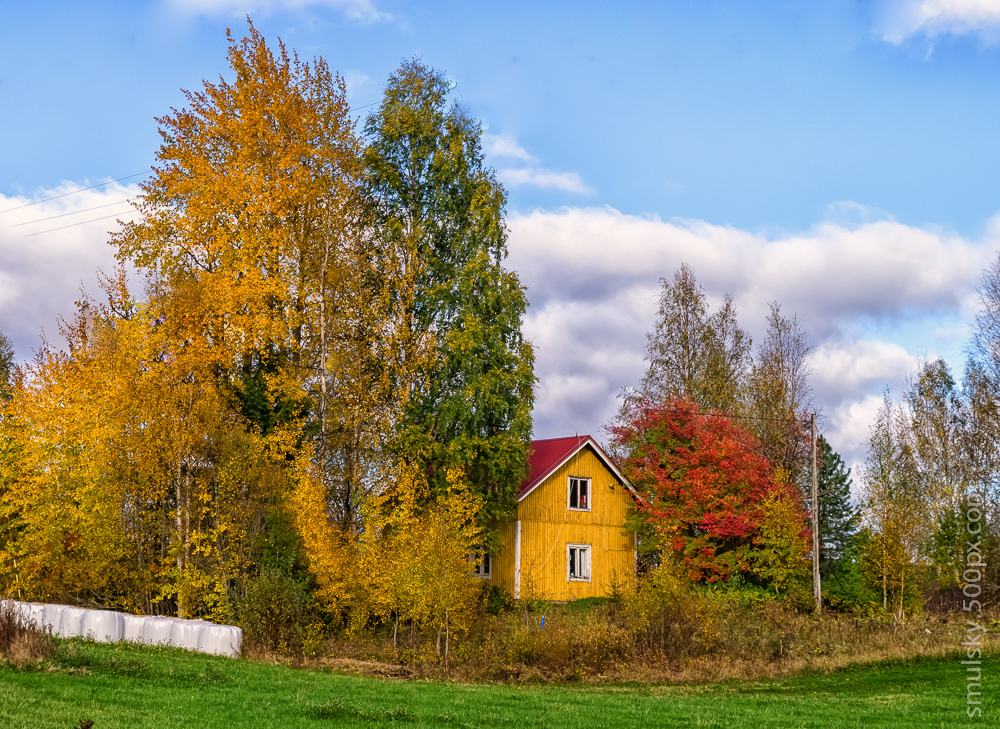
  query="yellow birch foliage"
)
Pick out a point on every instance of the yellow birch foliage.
point(327, 549)
point(413, 559)
point(135, 485)
point(257, 179)
point(891, 513)
point(68, 542)
point(253, 226)
point(781, 546)
point(448, 537)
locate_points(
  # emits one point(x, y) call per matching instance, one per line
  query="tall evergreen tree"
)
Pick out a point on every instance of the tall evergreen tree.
point(440, 240)
point(839, 519)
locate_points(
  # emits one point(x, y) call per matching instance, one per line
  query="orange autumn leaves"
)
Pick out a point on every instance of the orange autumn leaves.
point(255, 380)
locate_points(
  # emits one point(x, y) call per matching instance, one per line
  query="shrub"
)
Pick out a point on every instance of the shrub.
point(570, 645)
point(277, 615)
point(494, 599)
point(22, 642)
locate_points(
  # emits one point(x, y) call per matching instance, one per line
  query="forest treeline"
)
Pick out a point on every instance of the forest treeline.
point(730, 500)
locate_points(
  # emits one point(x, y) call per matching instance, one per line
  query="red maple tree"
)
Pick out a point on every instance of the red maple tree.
point(704, 488)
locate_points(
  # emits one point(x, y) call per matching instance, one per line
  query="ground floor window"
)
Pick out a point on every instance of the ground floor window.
point(482, 564)
point(578, 562)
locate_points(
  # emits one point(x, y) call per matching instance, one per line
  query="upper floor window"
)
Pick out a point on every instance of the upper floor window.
point(579, 493)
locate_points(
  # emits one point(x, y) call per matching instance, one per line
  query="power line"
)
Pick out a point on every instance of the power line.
point(56, 197)
point(75, 212)
point(73, 225)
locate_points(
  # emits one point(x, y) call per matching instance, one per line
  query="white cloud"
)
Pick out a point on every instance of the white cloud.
point(592, 276)
point(540, 177)
point(848, 430)
point(362, 11)
point(905, 18)
point(49, 250)
point(850, 214)
point(504, 146)
point(858, 366)
point(355, 81)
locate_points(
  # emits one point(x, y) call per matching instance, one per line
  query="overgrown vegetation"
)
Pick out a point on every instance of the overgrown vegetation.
point(669, 630)
point(21, 643)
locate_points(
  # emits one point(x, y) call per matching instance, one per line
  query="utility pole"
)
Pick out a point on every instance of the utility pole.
point(817, 593)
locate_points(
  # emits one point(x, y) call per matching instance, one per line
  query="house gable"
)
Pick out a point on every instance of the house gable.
point(549, 456)
point(608, 499)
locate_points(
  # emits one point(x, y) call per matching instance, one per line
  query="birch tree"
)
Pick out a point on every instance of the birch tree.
point(465, 372)
point(693, 354)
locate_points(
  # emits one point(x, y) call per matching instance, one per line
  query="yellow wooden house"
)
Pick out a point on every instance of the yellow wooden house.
point(568, 538)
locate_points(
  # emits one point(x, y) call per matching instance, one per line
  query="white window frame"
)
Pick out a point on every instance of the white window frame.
point(478, 558)
point(569, 493)
point(584, 575)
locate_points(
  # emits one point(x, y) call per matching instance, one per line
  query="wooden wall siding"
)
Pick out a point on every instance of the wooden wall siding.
point(503, 563)
point(547, 526)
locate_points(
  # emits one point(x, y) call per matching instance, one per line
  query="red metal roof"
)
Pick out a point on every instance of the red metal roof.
point(548, 455)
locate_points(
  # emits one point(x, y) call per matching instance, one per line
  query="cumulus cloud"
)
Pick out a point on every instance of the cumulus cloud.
point(362, 11)
point(848, 427)
point(905, 18)
point(593, 277)
point(51, 249)
point(858, 365)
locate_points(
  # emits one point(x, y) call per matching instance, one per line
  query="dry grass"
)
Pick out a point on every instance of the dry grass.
point(22, 643)
point(699, 640)
point(850, 641)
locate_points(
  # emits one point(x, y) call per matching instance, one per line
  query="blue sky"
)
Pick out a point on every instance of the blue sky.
point(839, 157)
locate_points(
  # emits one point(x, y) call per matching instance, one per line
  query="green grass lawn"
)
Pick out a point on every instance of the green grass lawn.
point(133, 687)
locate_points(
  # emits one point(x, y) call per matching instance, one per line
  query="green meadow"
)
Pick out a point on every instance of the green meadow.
point(132, 687)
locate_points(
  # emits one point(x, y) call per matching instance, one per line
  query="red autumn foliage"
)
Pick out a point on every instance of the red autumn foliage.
point(704, 488)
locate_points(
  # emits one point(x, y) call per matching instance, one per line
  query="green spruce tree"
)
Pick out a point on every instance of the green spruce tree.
point(838, 517)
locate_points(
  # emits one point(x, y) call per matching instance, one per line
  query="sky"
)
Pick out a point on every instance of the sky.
point(839, 158)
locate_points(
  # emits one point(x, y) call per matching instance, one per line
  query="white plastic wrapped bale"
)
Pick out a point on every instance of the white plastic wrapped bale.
point(70, 622)
point(134, 625)
point(156, 631)
point(107, 626)
point(29, 612)
point(104, 626)
point(52, 617)
point(33, 612)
